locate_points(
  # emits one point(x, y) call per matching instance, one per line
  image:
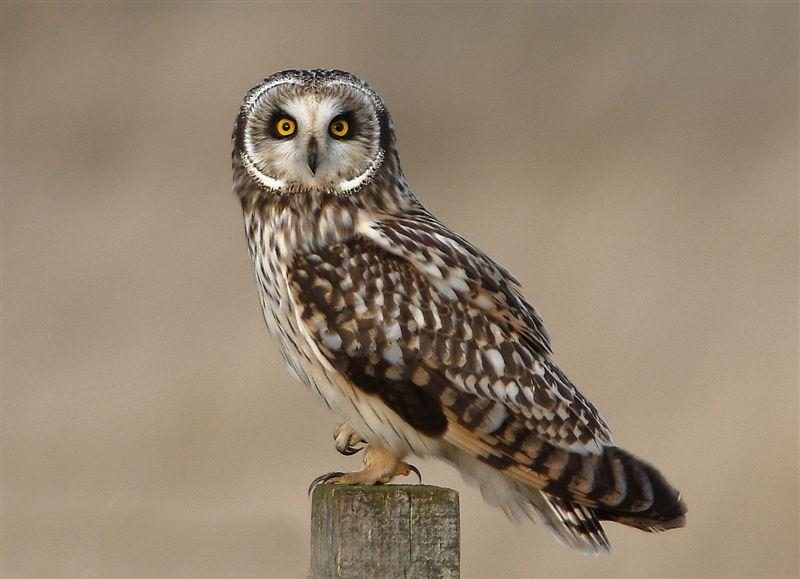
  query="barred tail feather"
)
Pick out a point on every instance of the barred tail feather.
point(572, 492)
point(573, 525)
point(651, 503)
point(615, 485)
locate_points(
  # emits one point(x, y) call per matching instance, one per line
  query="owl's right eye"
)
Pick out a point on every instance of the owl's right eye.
point(284, 127)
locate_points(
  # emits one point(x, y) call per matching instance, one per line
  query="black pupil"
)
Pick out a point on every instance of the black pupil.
point(339, 127)
point(286, 126)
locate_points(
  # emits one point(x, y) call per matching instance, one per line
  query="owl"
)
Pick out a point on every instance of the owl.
point(416, 339)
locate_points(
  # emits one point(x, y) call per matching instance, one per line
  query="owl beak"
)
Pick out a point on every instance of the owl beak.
point(313, 160)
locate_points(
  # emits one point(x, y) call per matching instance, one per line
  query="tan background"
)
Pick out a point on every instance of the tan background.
point(634, 164)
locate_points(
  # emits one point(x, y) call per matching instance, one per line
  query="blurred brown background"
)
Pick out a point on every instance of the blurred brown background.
point(634, 164)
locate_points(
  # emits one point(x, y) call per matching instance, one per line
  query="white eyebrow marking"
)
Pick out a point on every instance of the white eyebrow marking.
point(369, 94)
point(264, 88)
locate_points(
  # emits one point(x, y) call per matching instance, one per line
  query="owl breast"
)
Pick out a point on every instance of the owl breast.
point(276, 236)
point(277, 306)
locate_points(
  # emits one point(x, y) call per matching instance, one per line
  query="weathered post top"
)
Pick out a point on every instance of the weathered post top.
point(384, 531)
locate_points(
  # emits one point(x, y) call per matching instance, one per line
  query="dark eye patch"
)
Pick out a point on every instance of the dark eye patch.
point(272, 124)
point(352, 124)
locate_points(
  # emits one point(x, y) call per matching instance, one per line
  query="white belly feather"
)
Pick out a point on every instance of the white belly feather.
point(366, 413)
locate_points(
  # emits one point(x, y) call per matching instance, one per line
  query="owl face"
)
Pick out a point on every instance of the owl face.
point(302, 131)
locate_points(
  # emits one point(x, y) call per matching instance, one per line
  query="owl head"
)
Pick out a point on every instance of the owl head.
point(312, 130)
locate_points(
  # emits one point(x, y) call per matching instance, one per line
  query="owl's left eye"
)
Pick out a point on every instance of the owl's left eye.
point(339, 128)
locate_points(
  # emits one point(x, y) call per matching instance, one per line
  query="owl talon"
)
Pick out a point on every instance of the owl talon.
point(327, 478)
point(347, 439)
point(415, 470)
point(380, 467)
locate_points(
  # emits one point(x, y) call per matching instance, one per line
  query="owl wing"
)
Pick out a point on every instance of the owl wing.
point(456, 267)
point(435, 353)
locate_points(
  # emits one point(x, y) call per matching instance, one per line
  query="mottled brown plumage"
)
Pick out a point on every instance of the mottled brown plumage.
point(421, 342)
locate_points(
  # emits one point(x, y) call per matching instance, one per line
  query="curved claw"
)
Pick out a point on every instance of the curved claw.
point(415, 470)
point(350, 450)
point(347, 440)
point(322, 479)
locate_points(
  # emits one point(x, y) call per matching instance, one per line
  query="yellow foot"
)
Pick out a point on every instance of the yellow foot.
point(380, 466)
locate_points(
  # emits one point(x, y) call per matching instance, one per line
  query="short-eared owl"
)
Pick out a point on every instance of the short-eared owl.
point(420, 342)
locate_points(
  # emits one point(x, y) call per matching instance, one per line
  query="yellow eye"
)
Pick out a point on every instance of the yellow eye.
point(285, 127)
point(339, 128)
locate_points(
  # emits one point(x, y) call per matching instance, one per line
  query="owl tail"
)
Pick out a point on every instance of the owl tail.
point(617, 486)
point(640, 496)
point(573, 525)
point(624, 489)
point(583, 490)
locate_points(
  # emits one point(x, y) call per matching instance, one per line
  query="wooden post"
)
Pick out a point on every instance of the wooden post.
point(384, 531)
